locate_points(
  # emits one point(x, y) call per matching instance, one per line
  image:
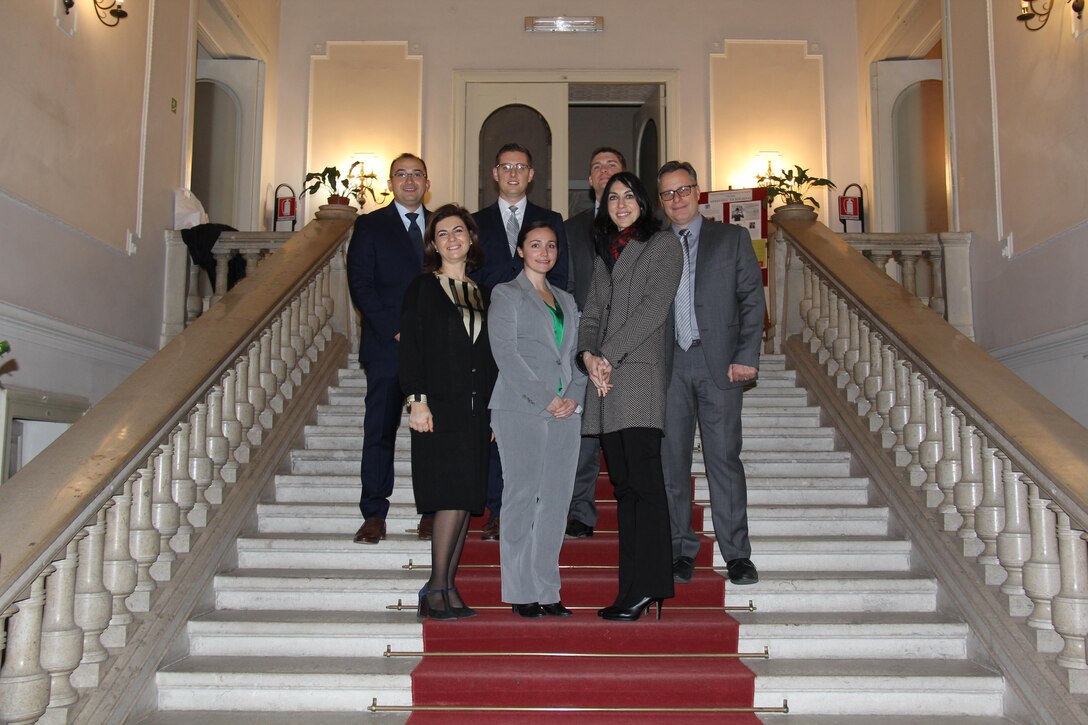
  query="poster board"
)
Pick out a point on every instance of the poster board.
point(744, 207)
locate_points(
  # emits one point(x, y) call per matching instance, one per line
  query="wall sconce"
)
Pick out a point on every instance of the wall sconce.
point(1035, 13)
point(104, 9)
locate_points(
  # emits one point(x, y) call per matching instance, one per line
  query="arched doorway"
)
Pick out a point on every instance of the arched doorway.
point(516, 123)
point(216, 130)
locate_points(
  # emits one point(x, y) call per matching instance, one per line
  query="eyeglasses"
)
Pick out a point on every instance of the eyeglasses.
point(415, 175)
point(683, 191)
point(512, 167)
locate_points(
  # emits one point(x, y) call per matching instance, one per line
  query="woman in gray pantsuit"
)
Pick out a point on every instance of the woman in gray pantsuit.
point(536, 412)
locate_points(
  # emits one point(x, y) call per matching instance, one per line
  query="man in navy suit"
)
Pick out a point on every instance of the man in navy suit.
point(385, 254)
point(499, 226)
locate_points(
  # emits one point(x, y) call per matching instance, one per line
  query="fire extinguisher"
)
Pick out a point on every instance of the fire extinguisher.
point(286, 208)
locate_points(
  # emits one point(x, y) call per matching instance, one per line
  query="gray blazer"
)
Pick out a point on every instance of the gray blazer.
point(729, 302)
point(531, 365)
point(581, 253)
point(624, 320)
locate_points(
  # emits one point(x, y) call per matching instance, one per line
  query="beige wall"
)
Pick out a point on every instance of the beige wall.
point(486, 34)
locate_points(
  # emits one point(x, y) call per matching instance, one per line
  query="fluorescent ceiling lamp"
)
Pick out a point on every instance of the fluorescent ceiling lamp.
point(564, 24)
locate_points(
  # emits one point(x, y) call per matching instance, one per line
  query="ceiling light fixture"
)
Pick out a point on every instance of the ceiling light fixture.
point(564, 24)
point(1035, 13)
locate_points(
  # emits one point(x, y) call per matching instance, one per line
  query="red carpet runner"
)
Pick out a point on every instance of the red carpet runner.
point(528, 681)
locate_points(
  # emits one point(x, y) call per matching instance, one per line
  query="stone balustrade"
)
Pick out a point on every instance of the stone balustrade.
point(999, 468)
point(96, 528)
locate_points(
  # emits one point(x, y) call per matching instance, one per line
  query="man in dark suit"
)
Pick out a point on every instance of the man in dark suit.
point(499, 226)
point(385, 254)
point(603, 163)
point(714, 336)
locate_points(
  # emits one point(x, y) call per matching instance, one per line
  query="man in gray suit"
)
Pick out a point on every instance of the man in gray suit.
point(716, 328)
point(603, 163)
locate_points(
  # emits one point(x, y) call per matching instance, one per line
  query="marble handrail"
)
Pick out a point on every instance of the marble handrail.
point(1004, 469)
point(93, 527)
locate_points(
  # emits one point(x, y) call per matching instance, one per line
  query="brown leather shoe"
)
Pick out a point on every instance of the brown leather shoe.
point(371, 532)
point(425, 528)
point(491, 529)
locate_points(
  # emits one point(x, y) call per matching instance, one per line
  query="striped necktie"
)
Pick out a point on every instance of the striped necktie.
point(682, 307)
point(513, 228)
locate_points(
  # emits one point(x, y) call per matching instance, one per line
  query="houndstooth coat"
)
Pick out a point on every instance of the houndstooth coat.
point(624, 320)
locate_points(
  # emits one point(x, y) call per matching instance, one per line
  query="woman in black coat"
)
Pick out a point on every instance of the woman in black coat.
point(447, 373)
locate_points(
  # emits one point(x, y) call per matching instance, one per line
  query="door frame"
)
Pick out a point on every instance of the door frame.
point(461, 79)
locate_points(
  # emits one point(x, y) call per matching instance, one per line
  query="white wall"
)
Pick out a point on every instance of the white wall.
point(486, 34)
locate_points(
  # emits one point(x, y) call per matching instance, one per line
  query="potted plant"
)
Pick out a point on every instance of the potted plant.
point(794, 187)
point(343, 188)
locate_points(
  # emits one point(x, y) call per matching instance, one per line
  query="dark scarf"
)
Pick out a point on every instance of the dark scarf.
point(618, 244)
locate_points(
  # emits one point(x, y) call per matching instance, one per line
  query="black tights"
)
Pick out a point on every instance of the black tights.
point(447, 541)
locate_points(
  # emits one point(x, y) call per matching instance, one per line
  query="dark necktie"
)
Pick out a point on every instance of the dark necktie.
point(415, 235)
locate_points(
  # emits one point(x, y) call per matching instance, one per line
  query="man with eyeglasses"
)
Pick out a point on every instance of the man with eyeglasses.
point(384, 255)
point(500, 223)
point(716, 328)
point(603, 163)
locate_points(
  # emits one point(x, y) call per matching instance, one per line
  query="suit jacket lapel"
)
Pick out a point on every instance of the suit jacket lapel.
point(539, 305)
point(628, 259)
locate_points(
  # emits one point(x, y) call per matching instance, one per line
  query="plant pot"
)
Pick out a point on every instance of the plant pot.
point(795, 213)
point(336, 211)
point(337, 199)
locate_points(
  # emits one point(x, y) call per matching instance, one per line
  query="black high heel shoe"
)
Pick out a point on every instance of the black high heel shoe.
point(633, 612)
point(462, 612)
point(426, 611)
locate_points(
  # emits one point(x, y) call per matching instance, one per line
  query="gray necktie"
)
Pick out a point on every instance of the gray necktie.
point(512, 228)
point(682, 307)
point(414, 233)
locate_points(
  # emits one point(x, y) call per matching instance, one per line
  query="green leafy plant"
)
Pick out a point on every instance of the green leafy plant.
point(355, 185)
point(793, 186)
point(5, 347)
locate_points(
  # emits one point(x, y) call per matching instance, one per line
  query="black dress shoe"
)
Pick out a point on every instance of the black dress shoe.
point(742, 571)
point(577, 530)
point(631, 613)
point(683, 569)
point(556, 610)
point(531, 610)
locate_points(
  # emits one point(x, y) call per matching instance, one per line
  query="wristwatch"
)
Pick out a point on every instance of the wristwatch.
point(415, 398)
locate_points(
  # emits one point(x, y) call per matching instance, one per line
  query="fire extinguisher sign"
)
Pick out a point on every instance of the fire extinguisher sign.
point(285, 208)
point(849, 208)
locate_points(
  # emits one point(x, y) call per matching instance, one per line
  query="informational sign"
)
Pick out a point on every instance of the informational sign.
point(286, 208)
point(850, 208)
point(745, 208)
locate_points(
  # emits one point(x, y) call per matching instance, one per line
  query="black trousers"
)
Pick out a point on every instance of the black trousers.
point(634, 465)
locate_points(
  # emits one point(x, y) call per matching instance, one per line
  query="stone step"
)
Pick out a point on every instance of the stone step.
point(866, 635)
point(316, 590)
point(843, 591)
point(210, 717)
point(227, 633)
point(284, 683)
point(823, 554)
point(879, 687)
point(756, 463)
point(768, 396)
point(794, 416)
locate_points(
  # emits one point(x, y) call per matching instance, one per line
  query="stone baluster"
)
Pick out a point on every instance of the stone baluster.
point(201, 468)
point(830, 333)
point(1014, 541)
point(930, 449)
point(324, 303)
point(886, 396)
point(143, 541)
point(165, 513)
point(253, 258)
point(936, 296)
point(230, 427)
point(278, 365)
point(871, 386)
point(909, 262)
point(217, 444)
point(1069, 609)
point(258, 397)
point(62, 639)
point(118, 567)
point(307, 324)
point(243, 408)
point(914, 432)
point(841, 344)
point(1042, 572)
point(222, 262)
point(968, 492)
point(194, 303)
point(855, 386)
point(807, 303)
point(900, 412)
point(24, 684)
point(92, 602)
point(851, 354)
point(949, 469)
point(288, 350)
point(990, 514)
point(184, 489)
point(823, 310)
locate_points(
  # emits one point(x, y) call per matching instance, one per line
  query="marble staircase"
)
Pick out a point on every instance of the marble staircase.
point(853, 622)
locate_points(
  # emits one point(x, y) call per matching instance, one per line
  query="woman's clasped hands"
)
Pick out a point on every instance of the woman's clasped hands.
point(600, 372)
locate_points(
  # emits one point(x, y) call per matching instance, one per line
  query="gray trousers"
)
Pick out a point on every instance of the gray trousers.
point(539, 471)
point(693, 395)
point(583, 503)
